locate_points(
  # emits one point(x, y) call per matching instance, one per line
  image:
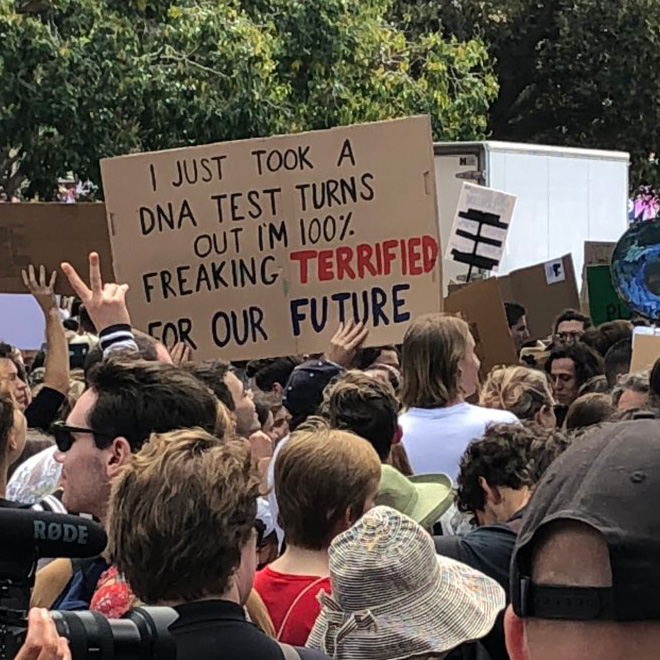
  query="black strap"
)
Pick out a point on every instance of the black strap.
point(567, 603)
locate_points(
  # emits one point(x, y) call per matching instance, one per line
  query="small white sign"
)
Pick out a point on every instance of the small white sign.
point(555, 271)
point(481, 224)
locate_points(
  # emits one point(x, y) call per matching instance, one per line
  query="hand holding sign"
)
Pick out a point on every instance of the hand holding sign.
point(106, 304)
point(41, 288)
point(346, 342)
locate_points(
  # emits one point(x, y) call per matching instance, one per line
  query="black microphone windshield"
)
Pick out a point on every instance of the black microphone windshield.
point(52, 534)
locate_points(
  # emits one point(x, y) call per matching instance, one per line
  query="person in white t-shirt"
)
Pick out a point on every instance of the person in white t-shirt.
point(440, 370)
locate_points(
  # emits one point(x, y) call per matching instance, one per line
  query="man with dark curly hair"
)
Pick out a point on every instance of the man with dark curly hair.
point(496, 479)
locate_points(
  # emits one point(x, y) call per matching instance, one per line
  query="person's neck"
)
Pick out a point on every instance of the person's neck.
point(230, 596)
point(301, 561)
point(513, 500)
point(455, 402)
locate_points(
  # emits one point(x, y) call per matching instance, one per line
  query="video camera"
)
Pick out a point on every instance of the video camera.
point(27, 536)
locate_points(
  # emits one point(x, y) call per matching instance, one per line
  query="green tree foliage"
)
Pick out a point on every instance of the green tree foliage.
point(571, 72)
point(86, 79)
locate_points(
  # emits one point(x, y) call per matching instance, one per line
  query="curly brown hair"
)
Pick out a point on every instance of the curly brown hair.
point(508, 455)
point(520, 390)
point(501, 457)
point(365, 406)
point(179, 515)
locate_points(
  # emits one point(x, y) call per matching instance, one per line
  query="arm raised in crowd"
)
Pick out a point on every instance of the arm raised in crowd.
point(105, 304)
point(56, 374)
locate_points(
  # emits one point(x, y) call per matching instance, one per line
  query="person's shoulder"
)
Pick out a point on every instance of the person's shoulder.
point(493, 415)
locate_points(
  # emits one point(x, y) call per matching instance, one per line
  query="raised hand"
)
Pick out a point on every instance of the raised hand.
point(105, 303)
point(181, 353)
point(346, 342)
point(41, 286)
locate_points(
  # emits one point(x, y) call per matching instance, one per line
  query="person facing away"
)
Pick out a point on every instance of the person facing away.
point(393, 597)
point(324, 480)
point(589, 410)
point(632, 391)
point(498, 474)
point(182, 531)
point(440, 370)
point(522, 391)
point(584, 572)
point(368, 407)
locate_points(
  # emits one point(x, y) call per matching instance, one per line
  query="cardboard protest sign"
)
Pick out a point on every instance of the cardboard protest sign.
point(480, 227)
point(646, 349)
point(598, 253)
point(481, 305)
point(604, 302)
point(261, 247)
point(544, 290)
point(49, 234)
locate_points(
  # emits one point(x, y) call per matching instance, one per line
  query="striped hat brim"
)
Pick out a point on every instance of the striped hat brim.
point(460, 605)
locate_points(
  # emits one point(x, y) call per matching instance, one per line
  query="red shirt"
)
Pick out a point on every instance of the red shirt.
point(291, 602)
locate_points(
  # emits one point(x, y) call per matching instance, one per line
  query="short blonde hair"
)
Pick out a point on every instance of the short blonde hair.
point(180, 513)
point(520, 390)
point(319, 475)
point(433, 347)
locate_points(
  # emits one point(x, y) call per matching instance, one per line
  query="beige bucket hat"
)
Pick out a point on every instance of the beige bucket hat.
point(394, 598)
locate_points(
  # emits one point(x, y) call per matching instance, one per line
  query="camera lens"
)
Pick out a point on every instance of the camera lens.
point(141, 634)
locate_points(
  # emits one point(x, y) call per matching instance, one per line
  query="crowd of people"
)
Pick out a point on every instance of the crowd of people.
point(380, 503)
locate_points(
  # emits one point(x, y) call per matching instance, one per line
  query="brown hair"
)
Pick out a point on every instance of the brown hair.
point(433, 347)
point(365, 406)
point(520, 390)
point(501, 457)
point(589, 410)
point(319, 475)
point(180, 513)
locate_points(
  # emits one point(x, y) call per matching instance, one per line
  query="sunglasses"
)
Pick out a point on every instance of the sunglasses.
point(63, 434)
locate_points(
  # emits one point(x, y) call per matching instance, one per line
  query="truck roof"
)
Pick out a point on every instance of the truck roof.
point(440, 148)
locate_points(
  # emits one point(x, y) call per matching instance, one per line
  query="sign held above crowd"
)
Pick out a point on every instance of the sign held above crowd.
point(262, 247)
point(48, 234)
point(480, 227)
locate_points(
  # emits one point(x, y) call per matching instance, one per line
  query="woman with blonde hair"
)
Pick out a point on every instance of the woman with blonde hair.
point(522, 391)
point(440, 371)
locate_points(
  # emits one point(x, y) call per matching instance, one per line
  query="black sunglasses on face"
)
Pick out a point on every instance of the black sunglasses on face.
point(63, 435)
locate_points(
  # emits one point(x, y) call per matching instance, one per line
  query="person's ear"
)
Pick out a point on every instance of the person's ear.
point(492, 493)
point(345, 522)
point(12, 445)
point(119, 454)
point(514, 633)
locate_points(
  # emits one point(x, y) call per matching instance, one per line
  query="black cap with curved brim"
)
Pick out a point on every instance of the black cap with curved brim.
point(303, 392)
point(610, 480)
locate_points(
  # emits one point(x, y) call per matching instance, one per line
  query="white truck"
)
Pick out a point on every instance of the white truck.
point(565, 197)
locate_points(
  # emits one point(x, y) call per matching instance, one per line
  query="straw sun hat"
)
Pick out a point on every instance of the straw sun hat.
point(394, 598)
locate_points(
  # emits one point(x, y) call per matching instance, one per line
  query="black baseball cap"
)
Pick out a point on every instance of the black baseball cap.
point(610, 480)
point(303, 392)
